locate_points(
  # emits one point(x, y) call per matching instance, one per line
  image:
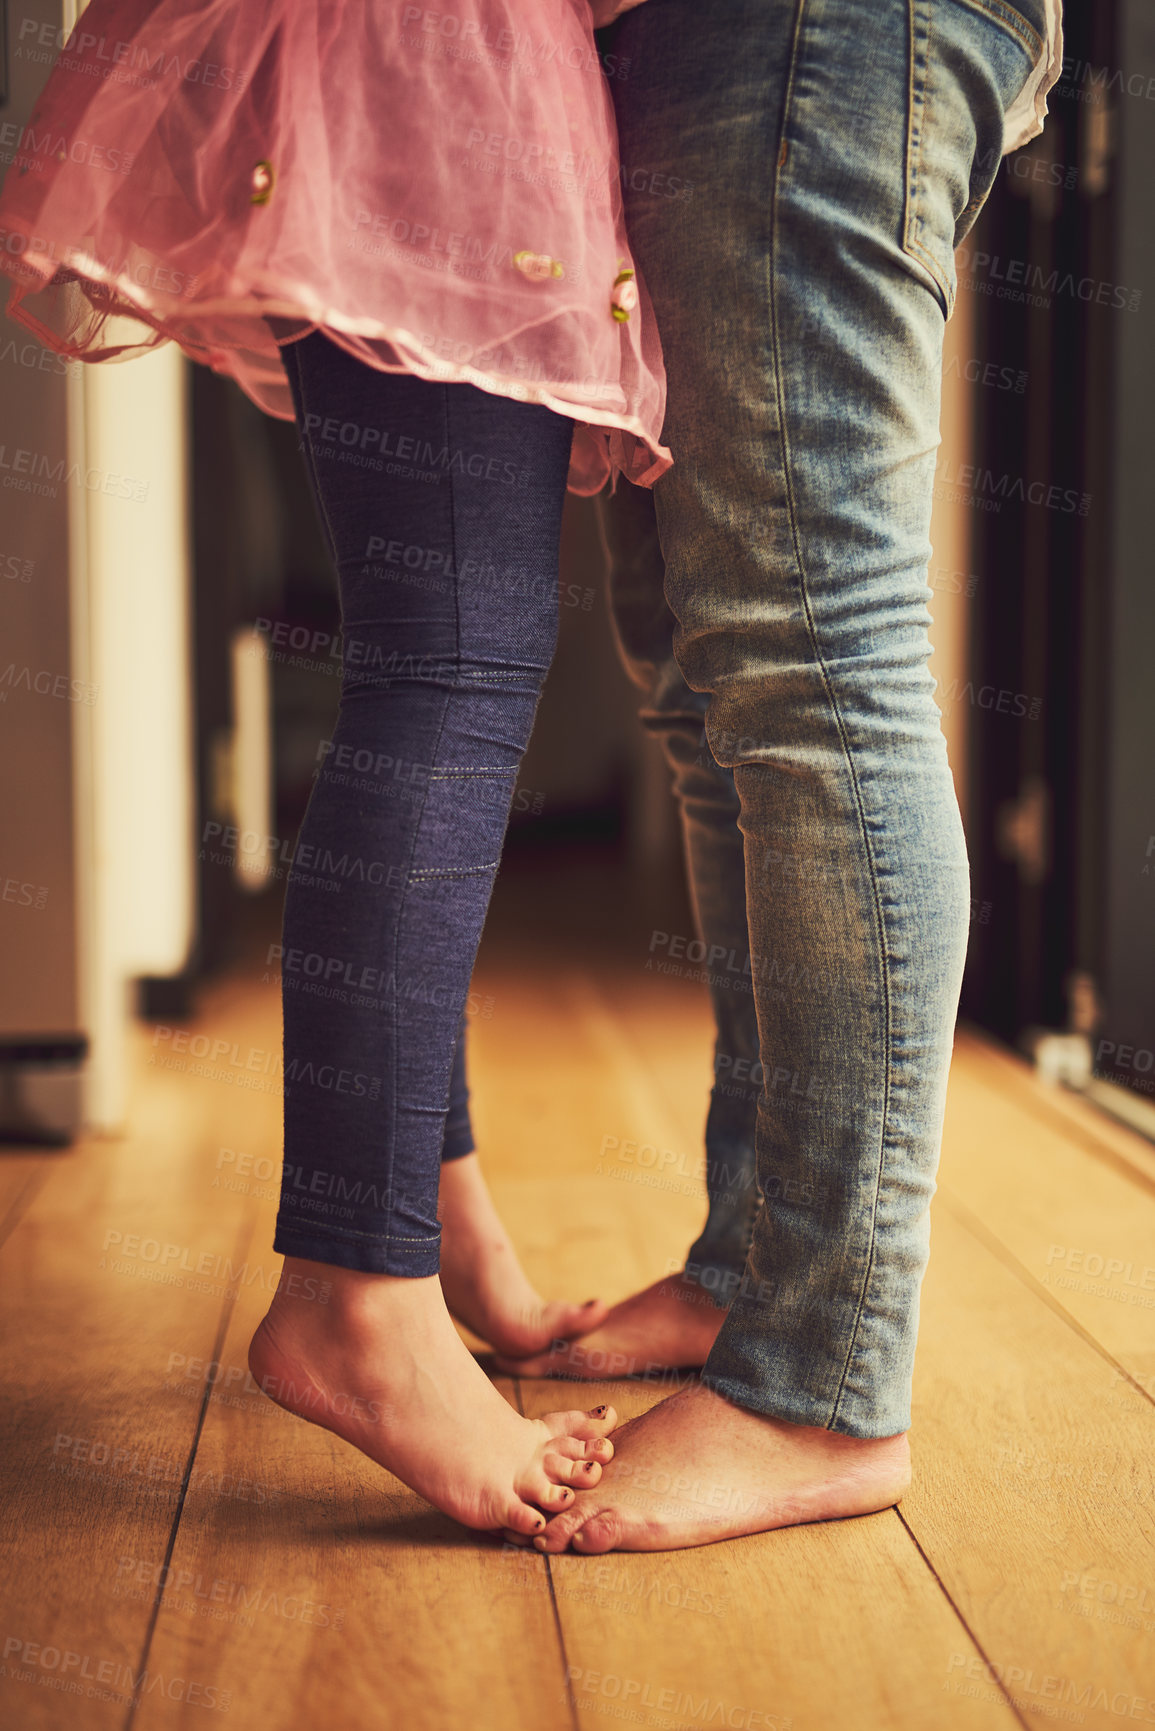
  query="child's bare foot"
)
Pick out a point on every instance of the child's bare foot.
point(382, 1365)
point(670, 1326)
point(482, 1279)
point(696, 1468)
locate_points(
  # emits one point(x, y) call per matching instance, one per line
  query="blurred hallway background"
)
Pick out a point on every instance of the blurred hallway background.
point(173, 592)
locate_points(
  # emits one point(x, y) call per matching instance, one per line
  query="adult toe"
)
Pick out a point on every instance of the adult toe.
point(602, 1532)
point(558, 1534)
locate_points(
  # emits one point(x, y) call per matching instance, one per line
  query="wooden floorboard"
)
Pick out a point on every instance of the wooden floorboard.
point(98, 1421)
point(557, 1107)
point(344, 1593)
point(21, 1177)
point(1080, 1226)
point(1034, 1491)
point(825, 1626)
point(265, 1568)
point(1076, 1116)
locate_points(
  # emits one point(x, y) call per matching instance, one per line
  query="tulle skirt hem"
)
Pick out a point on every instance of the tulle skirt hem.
point(94, 315)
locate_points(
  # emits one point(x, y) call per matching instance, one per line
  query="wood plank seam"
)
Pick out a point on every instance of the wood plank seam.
point(1080, 1136)
point(570, 1698)
point(957, 1609)
point(978, 1229)
point(22, 1202)
point(228, 1304)
point(1028, 1093)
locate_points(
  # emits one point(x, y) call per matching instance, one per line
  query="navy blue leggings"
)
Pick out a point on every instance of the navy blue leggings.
point(442, 506)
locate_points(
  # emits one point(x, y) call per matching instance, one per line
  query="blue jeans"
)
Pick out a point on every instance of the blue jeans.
point(797, 177)
point(446, 558)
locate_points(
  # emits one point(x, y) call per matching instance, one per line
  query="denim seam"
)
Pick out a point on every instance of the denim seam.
point(305, 1228)
point(453, 872)
point(318, 1230)
point(420, 815)
point(839, 720)
point(311, 462)
point(485, 678)
point(918, 95)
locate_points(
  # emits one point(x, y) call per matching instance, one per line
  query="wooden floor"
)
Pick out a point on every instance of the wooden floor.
point(161, 1518)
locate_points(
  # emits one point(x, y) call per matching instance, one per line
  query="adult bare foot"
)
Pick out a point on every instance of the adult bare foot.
point(670, 1326)
point(382, 1365)
point(484, 1284)
point(695, 1468)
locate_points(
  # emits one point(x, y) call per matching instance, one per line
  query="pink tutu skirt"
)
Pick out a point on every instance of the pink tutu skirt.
point(437, 190)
